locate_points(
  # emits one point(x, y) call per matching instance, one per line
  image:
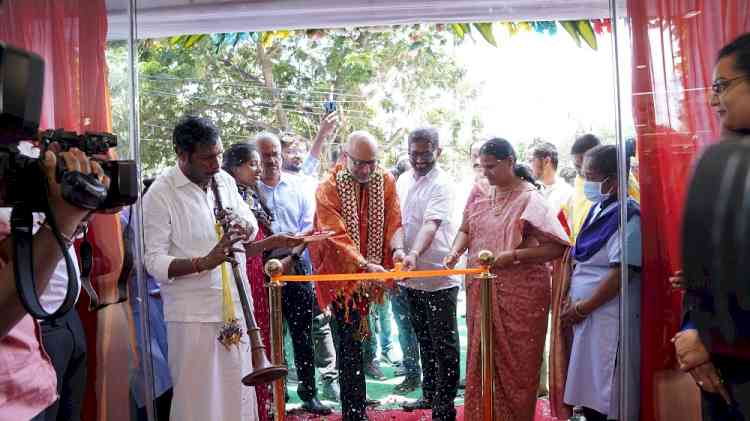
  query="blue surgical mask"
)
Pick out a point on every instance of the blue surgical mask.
point(593, 190)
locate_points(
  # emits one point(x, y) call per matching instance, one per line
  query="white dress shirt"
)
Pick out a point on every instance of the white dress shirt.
point(428, 198)
point(54, 293)
point(557, 194)
point(178, 223)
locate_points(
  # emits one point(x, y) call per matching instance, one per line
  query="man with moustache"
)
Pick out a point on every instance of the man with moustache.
point(294, 148)
point(297, 161)
point(185, 255)
point(426, 196)
point(293, 209)
point(358, 202)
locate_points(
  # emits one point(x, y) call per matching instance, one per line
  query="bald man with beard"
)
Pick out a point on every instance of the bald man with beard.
point(357, 201)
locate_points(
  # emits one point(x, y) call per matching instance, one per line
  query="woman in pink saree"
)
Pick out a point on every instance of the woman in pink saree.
point(508, 216)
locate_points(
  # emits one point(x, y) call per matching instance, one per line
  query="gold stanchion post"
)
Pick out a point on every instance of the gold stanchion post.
point(274, 269)
point(486, 259)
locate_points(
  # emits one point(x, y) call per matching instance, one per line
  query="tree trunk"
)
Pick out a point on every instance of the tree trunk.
point(267, 69)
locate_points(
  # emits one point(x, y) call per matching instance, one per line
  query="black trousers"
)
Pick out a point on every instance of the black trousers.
point(298, 301)
point(593, 415)
point(349, 352)
point(736, 376)
point(433, 316)
point(65, 342)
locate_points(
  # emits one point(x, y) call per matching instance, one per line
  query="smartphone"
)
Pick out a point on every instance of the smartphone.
point(330, 104)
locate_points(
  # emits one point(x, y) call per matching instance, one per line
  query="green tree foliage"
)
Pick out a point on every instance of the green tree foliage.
point(385, 80)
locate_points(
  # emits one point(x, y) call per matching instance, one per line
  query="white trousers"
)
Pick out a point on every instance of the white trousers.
point(207, 377)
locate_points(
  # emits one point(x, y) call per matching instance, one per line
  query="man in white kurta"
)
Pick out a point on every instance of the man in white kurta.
point(184, 254)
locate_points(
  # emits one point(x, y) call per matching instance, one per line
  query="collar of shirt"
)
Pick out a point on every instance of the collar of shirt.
point(289, 203)
point(180, 179)
point(598, 210)
point(284, 179)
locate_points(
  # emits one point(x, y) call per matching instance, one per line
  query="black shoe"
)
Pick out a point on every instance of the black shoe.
point(400, 371)
point(314, 406)
point(421, 403)
point(330, 391)
point(409, 385)
point(373, 371)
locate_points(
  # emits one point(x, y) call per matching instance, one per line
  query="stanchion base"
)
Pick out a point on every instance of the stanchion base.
point(264, 375)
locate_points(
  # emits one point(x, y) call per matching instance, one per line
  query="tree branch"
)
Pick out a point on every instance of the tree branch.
point(243, 74)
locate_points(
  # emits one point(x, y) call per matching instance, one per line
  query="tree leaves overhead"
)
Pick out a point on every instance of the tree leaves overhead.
point(377, 76)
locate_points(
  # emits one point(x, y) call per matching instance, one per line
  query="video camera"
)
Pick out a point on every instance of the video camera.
point(21, 86)
point(23, 183)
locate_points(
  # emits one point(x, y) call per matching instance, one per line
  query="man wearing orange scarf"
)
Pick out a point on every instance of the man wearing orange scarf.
point(358, 202)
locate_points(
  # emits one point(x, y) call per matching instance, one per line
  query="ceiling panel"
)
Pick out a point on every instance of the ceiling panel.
point(158, 18)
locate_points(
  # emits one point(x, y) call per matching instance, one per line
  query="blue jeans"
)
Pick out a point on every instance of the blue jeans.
point(407, 339)
point(379, 320)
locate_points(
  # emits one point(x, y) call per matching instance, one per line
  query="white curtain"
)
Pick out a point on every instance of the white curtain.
point(159, 18)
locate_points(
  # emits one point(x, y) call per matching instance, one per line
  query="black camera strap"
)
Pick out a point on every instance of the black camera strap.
point(21, 225)
point(86, 252)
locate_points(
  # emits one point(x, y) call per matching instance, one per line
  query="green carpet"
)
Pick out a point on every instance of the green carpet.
point(383, 390)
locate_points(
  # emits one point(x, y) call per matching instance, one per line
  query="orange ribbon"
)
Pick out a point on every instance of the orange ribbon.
point(397, 273)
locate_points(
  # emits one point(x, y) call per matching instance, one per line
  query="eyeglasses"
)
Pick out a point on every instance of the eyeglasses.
point(719, 86)
point(362, 163)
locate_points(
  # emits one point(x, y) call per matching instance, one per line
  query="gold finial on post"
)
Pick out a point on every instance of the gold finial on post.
point(274, 268)
point(486, 258)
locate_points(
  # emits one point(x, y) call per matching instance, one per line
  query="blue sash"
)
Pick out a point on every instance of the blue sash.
point(597, 231)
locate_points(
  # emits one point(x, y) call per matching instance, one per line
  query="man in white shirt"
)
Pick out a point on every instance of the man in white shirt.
point(65, 341)
point(427, 201)
point(544, 164)
point(544, 160)
point(184, 254)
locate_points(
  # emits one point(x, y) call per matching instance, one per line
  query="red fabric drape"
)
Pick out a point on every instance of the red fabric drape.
point(674, 43)
point(70, 35)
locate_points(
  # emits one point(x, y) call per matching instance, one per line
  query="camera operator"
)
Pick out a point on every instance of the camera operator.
point(27, 379)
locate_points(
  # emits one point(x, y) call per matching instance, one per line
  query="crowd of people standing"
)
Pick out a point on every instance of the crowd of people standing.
point(559, 260)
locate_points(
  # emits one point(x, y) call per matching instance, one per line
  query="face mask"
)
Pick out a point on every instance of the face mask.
point(593, 190)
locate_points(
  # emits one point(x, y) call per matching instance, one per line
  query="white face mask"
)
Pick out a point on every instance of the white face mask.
point(593, 190)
